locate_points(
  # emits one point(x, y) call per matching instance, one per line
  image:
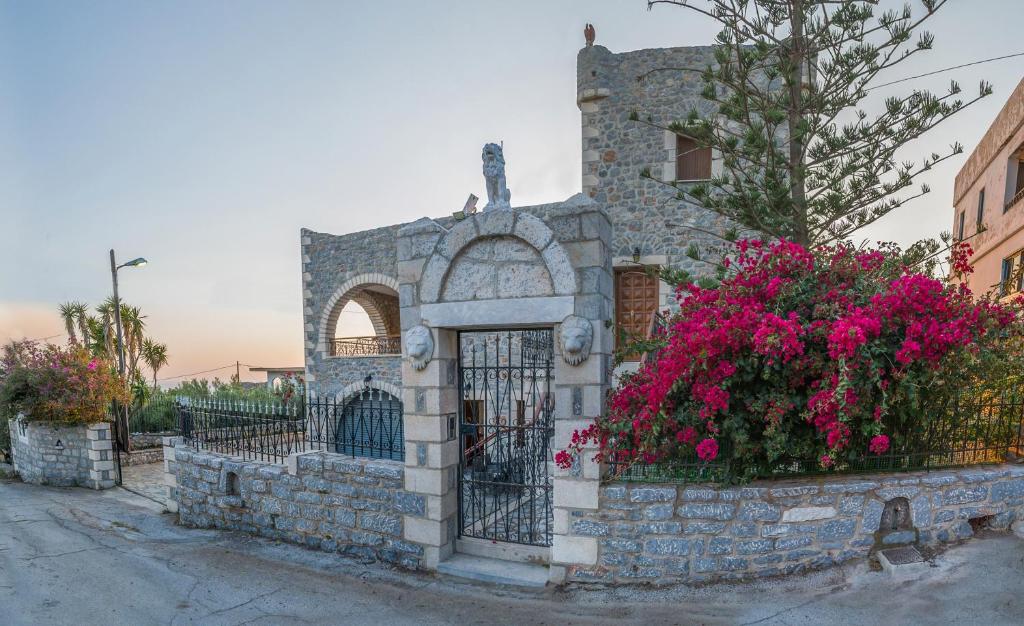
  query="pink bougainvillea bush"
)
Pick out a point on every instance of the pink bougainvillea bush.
point(829, 355)
point(56, 384)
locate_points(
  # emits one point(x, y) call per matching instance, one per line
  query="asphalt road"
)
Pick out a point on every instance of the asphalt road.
point(70, 556)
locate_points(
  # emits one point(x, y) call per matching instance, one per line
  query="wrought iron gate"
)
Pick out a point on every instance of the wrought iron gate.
point(506, 424)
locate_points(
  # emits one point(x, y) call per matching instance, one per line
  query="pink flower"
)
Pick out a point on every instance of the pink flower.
point(687, 435)
point(879, 444)
point(93, 364)
point(707, 450)
point(826, 461)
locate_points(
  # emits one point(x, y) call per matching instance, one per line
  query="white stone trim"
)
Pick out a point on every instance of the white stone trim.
point(498, 312)
point(352, 390)
point(334, 304)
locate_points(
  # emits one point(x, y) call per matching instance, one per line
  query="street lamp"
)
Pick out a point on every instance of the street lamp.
point(122, 417)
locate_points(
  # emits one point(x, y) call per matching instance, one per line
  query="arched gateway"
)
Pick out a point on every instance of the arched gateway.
point(484, 415)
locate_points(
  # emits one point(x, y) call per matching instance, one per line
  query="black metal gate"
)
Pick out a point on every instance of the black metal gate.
point(506, 424)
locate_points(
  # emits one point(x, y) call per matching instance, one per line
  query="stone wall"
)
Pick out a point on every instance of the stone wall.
point(645, 214)
point(696, 533)
point(335, 374)
point(63, 456)
point(325, 501)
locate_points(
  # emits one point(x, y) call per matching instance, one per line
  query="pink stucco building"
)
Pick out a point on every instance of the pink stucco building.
point(989, 202)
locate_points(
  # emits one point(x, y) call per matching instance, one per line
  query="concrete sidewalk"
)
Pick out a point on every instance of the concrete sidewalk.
point(70, 556)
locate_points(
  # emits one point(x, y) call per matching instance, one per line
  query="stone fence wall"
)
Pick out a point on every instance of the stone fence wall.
point(63, 456)
point(696, 533)
point(325, 501)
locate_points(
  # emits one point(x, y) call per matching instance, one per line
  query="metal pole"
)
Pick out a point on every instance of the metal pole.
point(121, 417)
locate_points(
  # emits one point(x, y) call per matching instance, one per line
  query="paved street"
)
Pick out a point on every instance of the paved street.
point(70, 556)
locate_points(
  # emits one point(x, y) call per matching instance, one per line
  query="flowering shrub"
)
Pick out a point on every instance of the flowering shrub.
point(56, 384)
point(798, 355)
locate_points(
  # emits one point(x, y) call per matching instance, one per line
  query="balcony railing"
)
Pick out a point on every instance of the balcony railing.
point(1014, 200)
point(367, 346)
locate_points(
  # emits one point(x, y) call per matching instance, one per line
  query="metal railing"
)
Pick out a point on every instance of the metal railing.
point(367, 426)
point(378, 345)
point(974, 429)
point(1014, 200)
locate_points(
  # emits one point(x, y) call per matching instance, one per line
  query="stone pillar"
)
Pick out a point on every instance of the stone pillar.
point(171, 471)
point(580, 393)
point(430, 406)
point(100, 451)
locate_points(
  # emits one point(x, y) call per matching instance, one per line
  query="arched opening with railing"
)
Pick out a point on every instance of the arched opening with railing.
point(362, 319)
point(370, 425)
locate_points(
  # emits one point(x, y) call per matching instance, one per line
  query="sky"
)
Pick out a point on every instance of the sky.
point(204, 135)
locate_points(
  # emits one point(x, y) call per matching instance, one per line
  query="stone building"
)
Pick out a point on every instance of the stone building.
point(988, 197)
point(510, 318)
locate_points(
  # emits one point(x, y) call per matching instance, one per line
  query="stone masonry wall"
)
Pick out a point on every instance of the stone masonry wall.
point(321, 500)
point(83, 458)
point(696, 533)
point(645, 214)
point(335, 374)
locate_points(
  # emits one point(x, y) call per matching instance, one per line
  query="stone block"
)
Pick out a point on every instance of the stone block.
point(574, 550)
point(718, 511)
point(837, 529)
point(576, 494)
point(806, 514)
point(699, 493)
point(658, 512)
point(677, 547)
point(720, 545)
point(759, 512)
point(963, 495)
point(652, 494)
point(1007, 489)
point(589, 528)
point(756, 546)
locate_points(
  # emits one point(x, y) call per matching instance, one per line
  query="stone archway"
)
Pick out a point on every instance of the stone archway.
point(516, 240)
point(376, 293)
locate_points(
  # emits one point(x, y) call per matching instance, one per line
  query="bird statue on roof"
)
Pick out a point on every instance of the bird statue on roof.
point(589, 33)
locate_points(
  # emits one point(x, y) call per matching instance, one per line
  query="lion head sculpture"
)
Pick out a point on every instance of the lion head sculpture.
point(419, 345)
point(575, 337)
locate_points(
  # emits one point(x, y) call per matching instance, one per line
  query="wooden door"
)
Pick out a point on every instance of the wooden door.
point(636, 300)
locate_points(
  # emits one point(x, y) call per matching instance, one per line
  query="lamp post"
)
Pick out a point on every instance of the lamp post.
point(122, 417)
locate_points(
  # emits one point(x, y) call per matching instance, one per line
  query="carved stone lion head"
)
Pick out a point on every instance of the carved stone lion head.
point(575, 336)
point(419, 345)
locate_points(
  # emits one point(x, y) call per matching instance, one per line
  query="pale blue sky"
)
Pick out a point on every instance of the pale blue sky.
point(204, 135)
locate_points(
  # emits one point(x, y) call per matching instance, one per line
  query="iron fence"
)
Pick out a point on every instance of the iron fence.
point(975, 428)
point(381, 345)
point(369, 425)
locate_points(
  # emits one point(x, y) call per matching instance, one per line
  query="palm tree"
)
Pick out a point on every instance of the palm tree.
point(74, 315)
point(155, 356)
point(132, 330)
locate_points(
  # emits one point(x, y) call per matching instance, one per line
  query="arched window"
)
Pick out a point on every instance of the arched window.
point(363, 321)
point(370, 425)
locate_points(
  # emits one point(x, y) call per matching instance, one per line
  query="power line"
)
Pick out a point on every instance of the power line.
point(216, 369)
point(946, 69)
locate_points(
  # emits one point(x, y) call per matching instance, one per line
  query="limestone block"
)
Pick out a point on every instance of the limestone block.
point(532, 230)
point(563, 275)
point(425, 531)
point(808, 513)
point(493, 223)
point(576, 494)
point(426, 481)
point(457, 238)
point(523, 280)
point(574, 550)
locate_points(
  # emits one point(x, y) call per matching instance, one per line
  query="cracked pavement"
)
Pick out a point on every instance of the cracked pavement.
point(71, 556)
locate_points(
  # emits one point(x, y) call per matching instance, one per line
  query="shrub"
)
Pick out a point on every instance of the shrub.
point(56, 384)
point(798, 355)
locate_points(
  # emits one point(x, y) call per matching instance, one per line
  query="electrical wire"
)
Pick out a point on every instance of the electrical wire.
point(945, 69)
point(216, 369)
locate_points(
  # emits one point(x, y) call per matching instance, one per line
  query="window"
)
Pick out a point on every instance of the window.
point(981, 208)
point(693, 162)
point(1011, 279)
point(960, 227)
point(636, 301)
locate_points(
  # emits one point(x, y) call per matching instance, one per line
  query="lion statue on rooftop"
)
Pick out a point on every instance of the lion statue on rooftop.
point(498, 195)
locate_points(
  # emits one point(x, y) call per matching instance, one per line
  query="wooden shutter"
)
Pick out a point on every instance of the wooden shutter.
point(636, 300)
point(692, 162)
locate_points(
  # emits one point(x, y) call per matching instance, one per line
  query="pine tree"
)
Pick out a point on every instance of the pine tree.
point(800, 157)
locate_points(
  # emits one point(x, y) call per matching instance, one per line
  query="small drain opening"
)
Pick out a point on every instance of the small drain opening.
point(980, 523)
